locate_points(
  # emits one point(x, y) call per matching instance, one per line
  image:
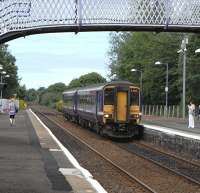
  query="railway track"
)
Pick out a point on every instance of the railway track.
point(120, 169)
point(180, 166)
point(169, 154)
point(128, 171)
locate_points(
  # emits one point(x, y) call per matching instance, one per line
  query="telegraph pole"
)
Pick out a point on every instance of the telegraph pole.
point(166, 89)
point(1, 86)
point(184, 51)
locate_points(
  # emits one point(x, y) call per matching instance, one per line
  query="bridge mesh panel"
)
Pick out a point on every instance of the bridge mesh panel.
point(22, 14)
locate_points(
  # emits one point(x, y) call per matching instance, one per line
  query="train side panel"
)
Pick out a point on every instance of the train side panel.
point(99, 108)
point(86, 105)
point(70, 105)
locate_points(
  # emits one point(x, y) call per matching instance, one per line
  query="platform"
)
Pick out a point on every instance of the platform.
point(173, 126)
point(174, 123)
point(173, 134)
point(33, 161)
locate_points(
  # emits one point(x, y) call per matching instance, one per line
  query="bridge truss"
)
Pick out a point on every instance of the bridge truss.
point(24, 17)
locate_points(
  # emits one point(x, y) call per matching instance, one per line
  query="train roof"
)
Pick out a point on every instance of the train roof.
point(97, 87)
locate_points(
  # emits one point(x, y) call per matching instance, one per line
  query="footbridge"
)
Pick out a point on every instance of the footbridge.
point(20, 18)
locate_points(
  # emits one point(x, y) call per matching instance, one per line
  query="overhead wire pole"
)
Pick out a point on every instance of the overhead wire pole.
point(1, 85)
point(141, 91)
point(183, 50)
point(184, 75)
point(166, 86)
point(184, 43)
point(3, 73)
point(166, 89)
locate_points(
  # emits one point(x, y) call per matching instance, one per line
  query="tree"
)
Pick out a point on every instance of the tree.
point(8, 63)
point(21, 92)
point(74, 83)
point(57, 87)
point(40, 92)
point(91, 78)
point(193, 69)
point(87, 79)
point(51, 95)
point(49, 99)
point(141, 50)
point(31, 95)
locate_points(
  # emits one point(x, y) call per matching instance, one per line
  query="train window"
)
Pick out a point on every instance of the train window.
point(68, 101)
point(134, 97)
point(109, 96)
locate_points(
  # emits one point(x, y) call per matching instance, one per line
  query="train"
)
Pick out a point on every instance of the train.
point(111, 109)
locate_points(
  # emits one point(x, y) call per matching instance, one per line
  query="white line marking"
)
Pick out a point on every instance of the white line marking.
point(97, 186)
point(55, 150)
point(173, 131)
point(70, 171)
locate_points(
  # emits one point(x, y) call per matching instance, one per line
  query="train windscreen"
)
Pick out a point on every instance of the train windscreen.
point(109, 96)
point(134, 97)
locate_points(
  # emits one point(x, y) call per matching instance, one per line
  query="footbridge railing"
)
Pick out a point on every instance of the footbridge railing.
point(23, 17)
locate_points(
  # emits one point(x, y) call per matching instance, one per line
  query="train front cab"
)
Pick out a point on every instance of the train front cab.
point(122, 111)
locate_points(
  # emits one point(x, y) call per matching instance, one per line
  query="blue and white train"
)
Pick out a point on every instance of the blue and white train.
point(112, 109)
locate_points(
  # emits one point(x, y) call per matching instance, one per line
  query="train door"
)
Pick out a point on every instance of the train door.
point(99, 103)
point(122, 100)
point(74, 101)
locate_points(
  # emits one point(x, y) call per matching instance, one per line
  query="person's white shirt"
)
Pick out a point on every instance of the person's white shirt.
point(191, 110)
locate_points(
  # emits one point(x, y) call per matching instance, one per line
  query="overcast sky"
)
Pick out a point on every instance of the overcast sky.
point(49, 58)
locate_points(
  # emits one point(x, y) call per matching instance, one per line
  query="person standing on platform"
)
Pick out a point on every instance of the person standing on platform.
point(12, 111)
point(191, 113)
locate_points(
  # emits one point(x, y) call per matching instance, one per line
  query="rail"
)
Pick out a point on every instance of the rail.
point(132, 177)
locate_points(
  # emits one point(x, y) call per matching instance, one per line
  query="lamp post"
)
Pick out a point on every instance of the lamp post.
point(183, 50)
point(166, 84)
point(2, 73)
point(136, 70)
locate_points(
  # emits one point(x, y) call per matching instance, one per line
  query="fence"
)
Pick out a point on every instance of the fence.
point(4, 105)
point(160, 110)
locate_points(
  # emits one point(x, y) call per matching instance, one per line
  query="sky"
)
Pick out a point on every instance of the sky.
point(46, 59)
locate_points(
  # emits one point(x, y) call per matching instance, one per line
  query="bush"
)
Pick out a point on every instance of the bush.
point(50, 99)
point(59, 106)
point(22, 104)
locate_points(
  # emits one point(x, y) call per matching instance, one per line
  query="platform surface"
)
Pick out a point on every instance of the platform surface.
point(32, 162)
point(172, 125)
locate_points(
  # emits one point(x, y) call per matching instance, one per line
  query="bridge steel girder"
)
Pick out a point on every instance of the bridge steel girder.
point(20, 18)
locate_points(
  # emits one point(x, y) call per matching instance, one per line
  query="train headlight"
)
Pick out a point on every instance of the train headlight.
point(135, 116)
point(107, 116)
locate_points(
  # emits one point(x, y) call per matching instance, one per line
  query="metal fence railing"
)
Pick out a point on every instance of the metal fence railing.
point(4, 105)
point(24, 17)
point(173, 111)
